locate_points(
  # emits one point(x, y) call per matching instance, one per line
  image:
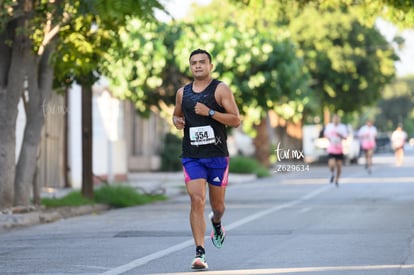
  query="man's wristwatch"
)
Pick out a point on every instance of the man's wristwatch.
point(211, 113)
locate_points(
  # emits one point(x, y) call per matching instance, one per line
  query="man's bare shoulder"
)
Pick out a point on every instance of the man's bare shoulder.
point(223, 88)
point(180, 90)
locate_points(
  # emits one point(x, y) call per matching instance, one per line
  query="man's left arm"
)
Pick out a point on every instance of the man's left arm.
point(225, 98)
point(231, 116)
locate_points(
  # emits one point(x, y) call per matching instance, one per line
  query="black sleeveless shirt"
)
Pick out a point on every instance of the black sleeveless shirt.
point(204, 137)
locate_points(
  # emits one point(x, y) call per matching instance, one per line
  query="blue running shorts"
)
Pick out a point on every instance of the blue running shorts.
point(214, 170)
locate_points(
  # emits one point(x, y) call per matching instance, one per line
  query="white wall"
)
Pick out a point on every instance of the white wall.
point(75, 136)
point(20, 124)
point(109, 152)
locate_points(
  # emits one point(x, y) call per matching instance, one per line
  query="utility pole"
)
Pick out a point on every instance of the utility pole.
point(87, 160)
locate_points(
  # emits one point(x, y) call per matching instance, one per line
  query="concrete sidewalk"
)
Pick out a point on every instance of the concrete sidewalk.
point(170, 184)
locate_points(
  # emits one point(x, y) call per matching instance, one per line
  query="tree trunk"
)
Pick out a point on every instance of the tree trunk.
point(12, 77)
point(262, 143)
point(40, 78)
point(7, 149)
point(87, 161)
point(26, 166)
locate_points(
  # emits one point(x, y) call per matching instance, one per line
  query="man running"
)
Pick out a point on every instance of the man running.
point(203, 109)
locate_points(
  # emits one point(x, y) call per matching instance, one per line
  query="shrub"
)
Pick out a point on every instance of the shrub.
point(123, 196)
point(262, 172)
point(73, 198)
point(112, 195)
point(170, 156)
point(247, 165)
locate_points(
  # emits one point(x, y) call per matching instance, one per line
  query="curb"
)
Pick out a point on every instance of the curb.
point(10, 220)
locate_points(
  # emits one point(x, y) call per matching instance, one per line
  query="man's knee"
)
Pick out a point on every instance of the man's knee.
point(218, 210)
point(197, 200)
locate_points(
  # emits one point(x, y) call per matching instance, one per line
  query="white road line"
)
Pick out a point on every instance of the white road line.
point(159, 254)
point(304, 270)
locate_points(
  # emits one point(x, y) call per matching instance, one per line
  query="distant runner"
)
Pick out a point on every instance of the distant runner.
point(335, 132)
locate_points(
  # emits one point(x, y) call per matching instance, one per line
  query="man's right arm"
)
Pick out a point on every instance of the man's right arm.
point(178, 116)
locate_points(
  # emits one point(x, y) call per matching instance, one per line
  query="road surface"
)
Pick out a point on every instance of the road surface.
point(291, 223)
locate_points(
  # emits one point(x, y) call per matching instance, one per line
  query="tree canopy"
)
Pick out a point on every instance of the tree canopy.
point(396, 106)
point(349, 62)
point(347, 57)
point(399, 12)
point(139, 57)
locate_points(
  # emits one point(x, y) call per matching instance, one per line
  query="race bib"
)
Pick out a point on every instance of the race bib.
point(202, 135)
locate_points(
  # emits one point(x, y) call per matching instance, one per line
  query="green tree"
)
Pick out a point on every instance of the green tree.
point(399, 12)
point(349, 63)
point(396, 106)
point(140, 58)
point(86, 44)
point(24, 73)
point(29, 34)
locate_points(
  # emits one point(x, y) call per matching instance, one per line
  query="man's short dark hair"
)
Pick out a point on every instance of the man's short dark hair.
point(200, 51)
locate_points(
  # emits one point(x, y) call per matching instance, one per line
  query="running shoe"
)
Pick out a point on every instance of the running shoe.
point(199, 262)
point(217, 236)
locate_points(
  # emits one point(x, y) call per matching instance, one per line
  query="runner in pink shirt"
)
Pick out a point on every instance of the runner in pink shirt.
point(398, 139)
point(367, 135)
point(335, 132)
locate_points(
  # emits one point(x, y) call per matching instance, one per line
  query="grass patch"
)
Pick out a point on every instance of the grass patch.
point(262, 172)
point(113, 195)
point(73, 198)
point(124, 196)
point(246, 165)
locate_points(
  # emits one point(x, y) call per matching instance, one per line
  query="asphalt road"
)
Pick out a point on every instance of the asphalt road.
point(291, 223)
